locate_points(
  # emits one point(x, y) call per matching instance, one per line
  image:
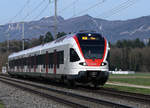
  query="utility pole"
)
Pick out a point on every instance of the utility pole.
point(8, 43)
point(22, 35)
point(74, 8)
point(55, 19)
point(8, 36)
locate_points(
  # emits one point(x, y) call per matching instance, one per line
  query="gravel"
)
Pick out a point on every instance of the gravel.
point(123, 101)
point(113, 99)
point(13, 97)
point(16, 98)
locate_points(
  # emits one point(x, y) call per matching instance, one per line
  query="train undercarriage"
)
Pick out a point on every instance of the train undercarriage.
point(92, 78)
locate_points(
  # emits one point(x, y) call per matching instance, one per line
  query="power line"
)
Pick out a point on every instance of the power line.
point(34, 9)
point(91, 7)
point(118, 9)
point(21, 10)
point(113, 11)
point(70, 5)
point(41, 12)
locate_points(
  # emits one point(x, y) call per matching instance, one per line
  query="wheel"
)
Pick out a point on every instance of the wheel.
point(71, 84)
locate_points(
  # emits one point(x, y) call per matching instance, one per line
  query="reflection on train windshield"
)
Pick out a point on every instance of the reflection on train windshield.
point(93, 51)
point(92, 45)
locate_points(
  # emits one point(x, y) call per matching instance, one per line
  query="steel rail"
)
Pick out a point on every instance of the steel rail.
point(69, 103)
point(81, 97)
point(111, 92)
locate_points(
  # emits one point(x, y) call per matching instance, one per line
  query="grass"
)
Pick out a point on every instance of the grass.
point(1, 105)
point(137, 79)
point(135, 75)
point(129, 89)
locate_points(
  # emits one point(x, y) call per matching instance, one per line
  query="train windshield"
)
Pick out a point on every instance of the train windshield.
point(92, 45)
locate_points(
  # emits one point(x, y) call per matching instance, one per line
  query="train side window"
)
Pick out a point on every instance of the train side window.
point(57, 65)
point(41, 59)
point(108, 56)
point(51, 66)
point(50, 61)
point(25, 61)
point(73, 55)
point(32, 61)
point(61, 58)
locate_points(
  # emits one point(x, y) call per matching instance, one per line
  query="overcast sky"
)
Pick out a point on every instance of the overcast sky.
point(107, 9)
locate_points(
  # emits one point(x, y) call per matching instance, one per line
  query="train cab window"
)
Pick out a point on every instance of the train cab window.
point(108, 56)
point(73, 55)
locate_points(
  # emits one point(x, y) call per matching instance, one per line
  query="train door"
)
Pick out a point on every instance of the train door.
point(34, 63)
point(55, 61)
point(46, 64)
point(29, 64)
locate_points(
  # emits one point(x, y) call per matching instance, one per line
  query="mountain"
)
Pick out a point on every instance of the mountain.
point(112, 30)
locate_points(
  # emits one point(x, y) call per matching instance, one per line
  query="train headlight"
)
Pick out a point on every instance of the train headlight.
point(103, 64)
point(83, 63)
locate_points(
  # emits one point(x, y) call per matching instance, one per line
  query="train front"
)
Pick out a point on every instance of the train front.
point(94, 50)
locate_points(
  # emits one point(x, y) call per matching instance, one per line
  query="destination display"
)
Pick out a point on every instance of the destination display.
point(89, 38)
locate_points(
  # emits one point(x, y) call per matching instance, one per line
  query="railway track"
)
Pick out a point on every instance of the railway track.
point(127, 95)
point(119, 94)
point(67, 98)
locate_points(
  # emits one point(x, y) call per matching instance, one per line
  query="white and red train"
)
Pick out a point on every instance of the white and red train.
point(76, 58)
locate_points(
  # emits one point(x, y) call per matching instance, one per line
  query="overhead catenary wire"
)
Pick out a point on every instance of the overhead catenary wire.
point(41, 12)
point(118, 9)
point(34, 9)
point(65, 8)
point(91, 7)
point(21, 10)
point(113, 11)
point(79, 13)
point(11, 20)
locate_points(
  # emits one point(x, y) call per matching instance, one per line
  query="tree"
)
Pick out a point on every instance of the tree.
point(115, 58)
point(119, 44)
point(41, 39)
point(138, 43)
point(60, 34)
point(48, 37)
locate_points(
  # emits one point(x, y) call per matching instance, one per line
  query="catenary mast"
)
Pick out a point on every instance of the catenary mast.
point(55, 19)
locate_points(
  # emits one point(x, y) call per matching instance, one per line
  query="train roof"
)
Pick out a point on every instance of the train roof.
point(59, 41)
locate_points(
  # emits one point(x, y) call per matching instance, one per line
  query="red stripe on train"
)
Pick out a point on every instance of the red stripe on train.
point(90, 62)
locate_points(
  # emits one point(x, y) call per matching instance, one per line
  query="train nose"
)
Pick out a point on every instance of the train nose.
point(87, 76)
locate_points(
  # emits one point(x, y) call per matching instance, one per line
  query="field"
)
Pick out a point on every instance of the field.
point(130, 75)
point(1, 105)
point(142, 79)
point(137, 79)
point(129, 89)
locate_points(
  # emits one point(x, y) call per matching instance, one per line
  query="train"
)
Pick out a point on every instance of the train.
point(79, 58)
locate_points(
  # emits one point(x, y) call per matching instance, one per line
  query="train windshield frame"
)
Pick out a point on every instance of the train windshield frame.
point(92, 45)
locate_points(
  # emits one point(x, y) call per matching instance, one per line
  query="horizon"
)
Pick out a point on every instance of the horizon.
point(73, 18)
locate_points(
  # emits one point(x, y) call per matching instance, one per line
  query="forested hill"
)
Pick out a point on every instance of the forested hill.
point(113, 30)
